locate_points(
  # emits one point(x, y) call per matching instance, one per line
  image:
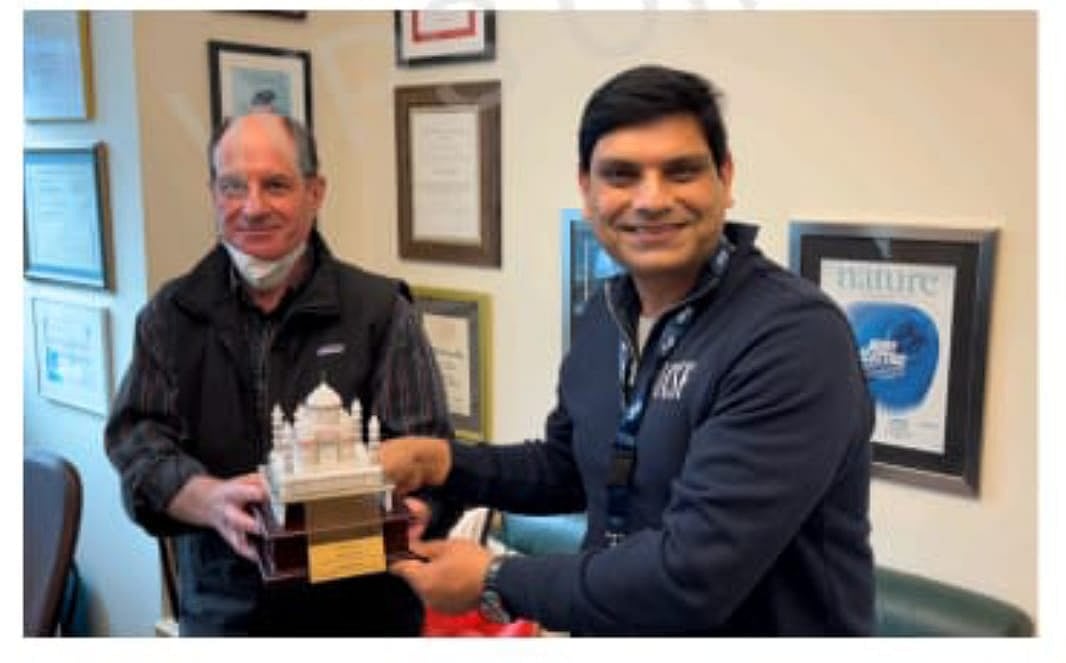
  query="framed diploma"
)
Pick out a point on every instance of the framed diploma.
point(458, 326)
point(918, 300)
point(440, 36)
point(448, 172)
point(247, 78)
point(65, 215)
point(586, 265)
point(73, 352)
point(57, 81)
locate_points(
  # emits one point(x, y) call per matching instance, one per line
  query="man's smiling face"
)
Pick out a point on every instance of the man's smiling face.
point(655, 198)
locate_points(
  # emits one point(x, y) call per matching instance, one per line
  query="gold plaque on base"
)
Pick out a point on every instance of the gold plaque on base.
point(345, 558)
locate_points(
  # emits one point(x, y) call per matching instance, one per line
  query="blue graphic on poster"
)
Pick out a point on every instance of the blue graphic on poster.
point(899, 347)
point(591, 266)
point(901, 316)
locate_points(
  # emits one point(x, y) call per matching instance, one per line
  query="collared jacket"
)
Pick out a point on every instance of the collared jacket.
point(197, 397)
point(750, 489)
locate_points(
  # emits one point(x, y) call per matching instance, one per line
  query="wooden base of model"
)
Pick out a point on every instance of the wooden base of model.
point(331, 538)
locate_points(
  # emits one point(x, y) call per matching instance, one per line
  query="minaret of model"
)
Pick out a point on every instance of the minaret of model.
point(360, 453)
point(373, 440)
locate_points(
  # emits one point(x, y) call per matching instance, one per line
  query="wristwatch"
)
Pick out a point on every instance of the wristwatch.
point(491, 606)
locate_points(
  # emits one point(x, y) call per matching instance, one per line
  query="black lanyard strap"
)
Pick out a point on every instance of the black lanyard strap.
point(624, 457)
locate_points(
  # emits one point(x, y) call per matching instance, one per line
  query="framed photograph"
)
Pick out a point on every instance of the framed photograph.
point(73, 352)
point(918, 301)
point(246, 78)
point(586, 265)
point(57, 80)
point(440, 36)
point(65, 219)
point(448, 172)
point(458, 326)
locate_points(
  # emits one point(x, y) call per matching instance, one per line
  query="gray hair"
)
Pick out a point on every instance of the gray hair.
point(306, 149)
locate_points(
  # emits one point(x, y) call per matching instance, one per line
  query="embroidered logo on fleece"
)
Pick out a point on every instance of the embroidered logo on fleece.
point(672, 380)
point(331, 349)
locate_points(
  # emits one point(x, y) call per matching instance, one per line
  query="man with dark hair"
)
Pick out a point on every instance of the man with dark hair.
point(260, 321)
point(712, 417)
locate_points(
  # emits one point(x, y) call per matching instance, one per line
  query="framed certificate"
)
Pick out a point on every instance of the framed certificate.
point(917, 299)
point(73, 352)
point(57, 80)
point(448, 172)
point(65, 215)
point(457, 325)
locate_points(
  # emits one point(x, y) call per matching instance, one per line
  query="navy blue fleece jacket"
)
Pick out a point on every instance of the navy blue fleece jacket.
point(750, 491)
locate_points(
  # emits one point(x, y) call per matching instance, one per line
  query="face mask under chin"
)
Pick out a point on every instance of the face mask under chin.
point(260, 274)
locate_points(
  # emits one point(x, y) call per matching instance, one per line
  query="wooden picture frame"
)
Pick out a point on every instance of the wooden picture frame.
point(438, 37)
point(57, 71)
point(458, 325)
point(448, 172)
point(918, 300)
point(245, 77)
point(66, 219)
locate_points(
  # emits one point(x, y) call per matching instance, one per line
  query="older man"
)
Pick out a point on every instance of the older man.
point(260, 320)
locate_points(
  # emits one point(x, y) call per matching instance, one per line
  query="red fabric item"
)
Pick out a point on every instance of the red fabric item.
point(472, 624)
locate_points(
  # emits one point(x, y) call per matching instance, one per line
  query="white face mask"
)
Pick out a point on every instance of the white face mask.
point(260, 274)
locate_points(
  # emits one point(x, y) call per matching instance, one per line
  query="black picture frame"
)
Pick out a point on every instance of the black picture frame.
point(66, 215)
point(244, 76)
point(901, 286)
point(473, 40)
point(585, 266)
point(480, 101)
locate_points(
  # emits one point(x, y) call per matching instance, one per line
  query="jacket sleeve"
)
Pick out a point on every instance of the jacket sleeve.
point(143, 431)
point(784, 417)
point(408, 391)
point(533, 477)
point(409, 399)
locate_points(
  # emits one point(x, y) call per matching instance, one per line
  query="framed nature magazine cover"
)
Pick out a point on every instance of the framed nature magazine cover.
point(918, 300)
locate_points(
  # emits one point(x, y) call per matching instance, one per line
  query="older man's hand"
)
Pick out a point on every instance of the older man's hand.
point(225, 505)
point(451, 578)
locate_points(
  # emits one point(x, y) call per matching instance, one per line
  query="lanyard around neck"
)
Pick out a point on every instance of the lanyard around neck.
point(623, 460)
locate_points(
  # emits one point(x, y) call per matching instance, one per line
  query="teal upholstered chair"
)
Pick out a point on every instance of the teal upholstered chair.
point(910, 605)
point(907, 604)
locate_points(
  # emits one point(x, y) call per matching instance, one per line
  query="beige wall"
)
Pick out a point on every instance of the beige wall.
point(925, 118)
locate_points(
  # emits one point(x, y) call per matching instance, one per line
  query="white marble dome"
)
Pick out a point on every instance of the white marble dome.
point(324, 397)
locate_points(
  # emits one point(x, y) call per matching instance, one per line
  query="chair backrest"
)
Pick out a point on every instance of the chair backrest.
point(51, 517)
point(168, 563)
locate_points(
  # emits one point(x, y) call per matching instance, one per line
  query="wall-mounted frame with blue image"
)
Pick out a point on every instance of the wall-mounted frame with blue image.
point(246, 78)
point(586, 265)
point(918, 300)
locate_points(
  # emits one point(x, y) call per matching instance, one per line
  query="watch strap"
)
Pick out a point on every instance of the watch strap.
point(491, 605)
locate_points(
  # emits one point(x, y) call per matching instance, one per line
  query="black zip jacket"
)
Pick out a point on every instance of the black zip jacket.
point(207, 368)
